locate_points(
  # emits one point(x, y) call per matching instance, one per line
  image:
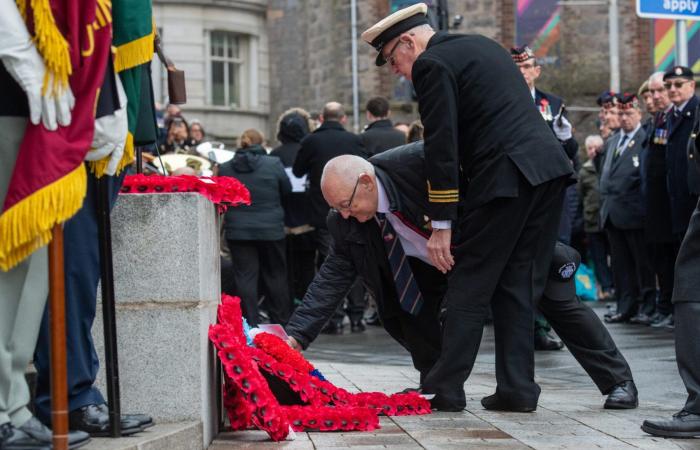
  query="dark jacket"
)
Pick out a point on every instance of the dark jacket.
point(358, 250)
point(588, 190)
point(683, 180)
point(621, 200)
point(292, 129)
point(544, 101)
point(657, 204)
point(478, 117)
point(381, 135)
point(264, 176)
point(325, 143)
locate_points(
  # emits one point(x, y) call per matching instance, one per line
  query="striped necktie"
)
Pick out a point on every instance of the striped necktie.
point(407, 290)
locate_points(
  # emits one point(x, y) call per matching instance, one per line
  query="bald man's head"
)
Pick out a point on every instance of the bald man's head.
point(349, 185)
point(333, 111)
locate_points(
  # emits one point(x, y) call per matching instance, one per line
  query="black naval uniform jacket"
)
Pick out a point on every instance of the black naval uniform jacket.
point(329, 140)
point(683, 179)
point(657, 223)
point(381, 135)
point(621, 199)
point(478, 117)
point(555, 104)
point(358, 250)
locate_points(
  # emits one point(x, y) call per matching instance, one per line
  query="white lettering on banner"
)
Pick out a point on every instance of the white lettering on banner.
point(679, 6)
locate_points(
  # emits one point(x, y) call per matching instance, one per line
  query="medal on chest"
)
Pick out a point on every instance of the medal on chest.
point(546, 110)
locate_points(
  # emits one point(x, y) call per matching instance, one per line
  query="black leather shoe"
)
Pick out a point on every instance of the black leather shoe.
point(617, 318)
point(332, 328)
point(357, 327)
point(144, 420)
point(622, 396)
point(5, 432)
point(543, 341)
point(494, 403)
point(94, 421)
point(662, 321)
point(439, 403)
point(641, 319)
point(682, 425)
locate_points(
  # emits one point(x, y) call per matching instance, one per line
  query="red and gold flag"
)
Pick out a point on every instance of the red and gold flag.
point(48, 183)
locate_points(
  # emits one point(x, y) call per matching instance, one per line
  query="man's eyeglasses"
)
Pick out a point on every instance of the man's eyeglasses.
point(347, 205)
point(390, 57)
point(676, 84)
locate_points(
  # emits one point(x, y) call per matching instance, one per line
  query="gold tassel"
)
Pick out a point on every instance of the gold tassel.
point(53, 48)
point(98, 167)
point(22, 7)
point(27, 225)
point(134, 53)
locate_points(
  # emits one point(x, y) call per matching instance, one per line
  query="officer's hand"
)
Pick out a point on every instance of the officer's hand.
point(439, 249)
point(562, 131)
point(293, 343)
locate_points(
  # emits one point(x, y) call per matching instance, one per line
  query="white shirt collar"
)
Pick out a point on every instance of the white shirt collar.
point(383, 199)
point(682, 107)
point(532, 92)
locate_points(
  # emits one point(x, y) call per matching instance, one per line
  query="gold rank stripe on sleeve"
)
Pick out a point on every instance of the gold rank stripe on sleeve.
point(442, 195)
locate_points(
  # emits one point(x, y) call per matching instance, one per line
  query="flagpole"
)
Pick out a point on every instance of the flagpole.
point(104, 229)
point(57, 321)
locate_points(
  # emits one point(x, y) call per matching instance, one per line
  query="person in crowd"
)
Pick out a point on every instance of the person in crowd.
point(551, 107)
point(197, 134)
point(172, 110)
point(609, 121)
point(512, 180)
point(415, 131)
point(589, 192)
point(255, 233)
point(178, 138)
point(292, 126)
point(686, 303)
point(661, 242)
point(402, 127)
point(644, 94)
point(380, 200)
point(329, 140)
point(380, 134)
point(622, 215)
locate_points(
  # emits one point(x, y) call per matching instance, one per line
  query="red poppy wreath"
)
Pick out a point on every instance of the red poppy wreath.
point(272, 387)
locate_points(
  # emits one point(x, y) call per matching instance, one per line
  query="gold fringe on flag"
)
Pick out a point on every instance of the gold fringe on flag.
point(52, 46)
point(27, 225)
point(135, 53)
point(22, 7)
point(98, 167)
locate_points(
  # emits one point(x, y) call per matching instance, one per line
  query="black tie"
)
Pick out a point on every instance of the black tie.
point(407, 290)
point(619, 148)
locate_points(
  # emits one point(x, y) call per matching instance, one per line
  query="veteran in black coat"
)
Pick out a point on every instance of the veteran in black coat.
point(381, 135)
point(496, 171)
point(622, 214)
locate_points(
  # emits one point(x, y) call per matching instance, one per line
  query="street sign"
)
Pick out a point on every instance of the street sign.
point(669, 9)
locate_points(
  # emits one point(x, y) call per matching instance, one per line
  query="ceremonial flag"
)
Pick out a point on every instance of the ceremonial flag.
point(134, 33)
point(48, 182)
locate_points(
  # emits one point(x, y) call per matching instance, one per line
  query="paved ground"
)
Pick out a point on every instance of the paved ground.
point(570, 413)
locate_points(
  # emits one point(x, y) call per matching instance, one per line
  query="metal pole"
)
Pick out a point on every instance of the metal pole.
point(614, 36)
point(681, 43)
point(104, 230)
point(57, 323)
point(355, 87)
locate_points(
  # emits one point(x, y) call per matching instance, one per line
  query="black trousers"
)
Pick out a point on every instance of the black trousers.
point(663, 260)
point(266, 259)
point(687, 320)
point(634, 277)
point(588, 341)
point(355, 298)
point(301, 263)
point(598, 251)
point(501, 261)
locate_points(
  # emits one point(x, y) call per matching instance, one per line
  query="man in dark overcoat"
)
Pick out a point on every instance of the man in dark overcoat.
point(380, 134)
point(363, 193)
point(622, 215)
point(686, 303)
point(489, 154)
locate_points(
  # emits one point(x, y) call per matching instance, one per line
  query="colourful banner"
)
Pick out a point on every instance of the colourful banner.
point(665, 44)
point(538, 26)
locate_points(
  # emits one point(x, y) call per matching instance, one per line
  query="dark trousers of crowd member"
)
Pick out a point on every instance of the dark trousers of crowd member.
point(501, 261)
point(588, 340)
point(663, 259)
point(301, 263)
point(266, 260)
point(634, 278)
point(355, 299)
point(598, 252)
point(82, 275)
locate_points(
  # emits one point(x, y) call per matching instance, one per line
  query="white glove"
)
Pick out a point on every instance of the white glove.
point(110, 135)
point(563, 132)
point(23, 62)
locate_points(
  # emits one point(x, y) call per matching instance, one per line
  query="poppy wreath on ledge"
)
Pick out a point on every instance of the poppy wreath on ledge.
point(222, 191)
point(272, 387)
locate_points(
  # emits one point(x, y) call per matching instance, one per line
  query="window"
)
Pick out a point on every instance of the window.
point(226, 56)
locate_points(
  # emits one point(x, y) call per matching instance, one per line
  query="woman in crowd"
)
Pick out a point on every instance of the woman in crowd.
point(255, 233)
point(197, 132)
point(178, 138)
